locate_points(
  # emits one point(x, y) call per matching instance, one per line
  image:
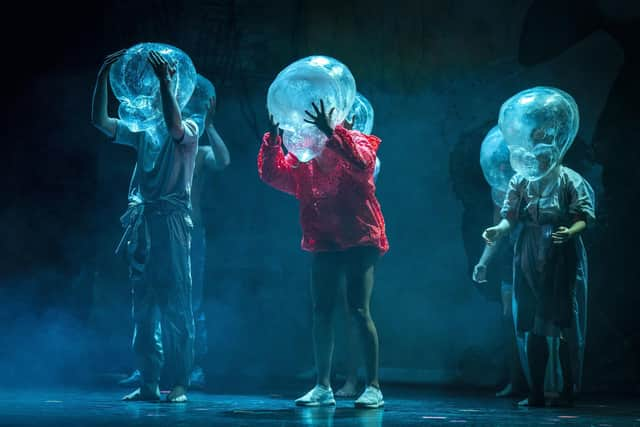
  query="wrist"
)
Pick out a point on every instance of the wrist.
point(165, 82)
point(328, 131)
point(103, 73)
point(273, 141)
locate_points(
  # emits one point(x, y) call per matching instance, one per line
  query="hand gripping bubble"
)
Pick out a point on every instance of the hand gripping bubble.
point(138, 90)
point(305, 81)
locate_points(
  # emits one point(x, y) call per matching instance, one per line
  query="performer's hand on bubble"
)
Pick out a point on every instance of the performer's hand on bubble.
point(294, 90)
point(348, 125)
point(274, 131)
point(321, 120)
point(135, 81)
point(162, 69)
point(110, 60)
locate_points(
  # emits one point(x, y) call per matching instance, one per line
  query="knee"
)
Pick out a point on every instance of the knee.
point(360, 315)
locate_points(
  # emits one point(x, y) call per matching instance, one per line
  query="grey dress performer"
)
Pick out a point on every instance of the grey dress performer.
point(550, 281)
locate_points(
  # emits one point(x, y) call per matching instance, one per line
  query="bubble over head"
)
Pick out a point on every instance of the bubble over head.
point(498, 196)
point(539, 125)
point(495, 160)
point(308, 80)
point(138, 90)
point(363, 113)
point(198, 105)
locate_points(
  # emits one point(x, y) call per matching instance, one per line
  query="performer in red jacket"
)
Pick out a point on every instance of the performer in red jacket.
point(343, 227)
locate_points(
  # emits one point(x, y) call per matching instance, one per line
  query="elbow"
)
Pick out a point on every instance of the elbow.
point(260, 169)
point(507, 223)
point(98, 121)
point(177, 132)
point(264, 178)
point(224, 163)
point(267, 176)
point(104, 128)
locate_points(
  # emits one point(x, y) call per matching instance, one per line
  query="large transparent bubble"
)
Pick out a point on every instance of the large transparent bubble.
point(305, 81)
point(363, 113)
point(539, 125)
point(137, 88)
point(498, 196)
point(495, 160)
point(198, 105)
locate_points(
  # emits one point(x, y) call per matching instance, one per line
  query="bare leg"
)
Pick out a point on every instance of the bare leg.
point(325, 280)
point(360, 280)
point(350, 387)
point(538, 353)
point(566, 395)
point(511, 358)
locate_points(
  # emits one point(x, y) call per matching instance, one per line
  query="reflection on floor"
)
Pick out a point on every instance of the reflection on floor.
point(77, 407)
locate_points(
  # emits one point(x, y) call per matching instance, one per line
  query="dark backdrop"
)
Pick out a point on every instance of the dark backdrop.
point(436, 73)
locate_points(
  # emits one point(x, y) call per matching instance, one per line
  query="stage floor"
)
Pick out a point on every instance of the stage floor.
point(77, 407)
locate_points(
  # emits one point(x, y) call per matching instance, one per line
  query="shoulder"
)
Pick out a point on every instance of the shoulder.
point(570, 174)
point(573, 178)
point(190, 132)
point(191, 125)
point(358, 136)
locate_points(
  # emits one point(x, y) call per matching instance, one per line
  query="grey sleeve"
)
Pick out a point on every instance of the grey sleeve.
point(511, 205)
point(124, 136)
point(582, 201)
point(190, 135)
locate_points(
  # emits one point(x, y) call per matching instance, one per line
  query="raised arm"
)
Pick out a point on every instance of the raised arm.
point(273, 167)
point(99, 116)
point(219, 158)
point(170, 108)
point(356, 147)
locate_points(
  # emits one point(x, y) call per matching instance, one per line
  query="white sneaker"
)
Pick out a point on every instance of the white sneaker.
point(318, 396)
point(370, 398)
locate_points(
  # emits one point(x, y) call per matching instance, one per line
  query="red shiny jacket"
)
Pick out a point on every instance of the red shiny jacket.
point(338, 205)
